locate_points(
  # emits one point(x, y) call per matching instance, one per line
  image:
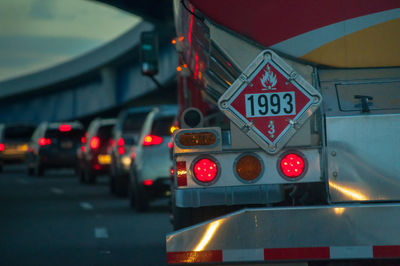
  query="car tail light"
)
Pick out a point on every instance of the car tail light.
point(292, 165)
point(248, 167)
point(83, 148)
point(121, 142)
point(152, 140)
point(121, 150)
point(64, 128)
point(170, 144)
point(94, 143)
point(2, 147)
point(83, 140)
point(148, 182)
point(205, 170)
point(44, 141)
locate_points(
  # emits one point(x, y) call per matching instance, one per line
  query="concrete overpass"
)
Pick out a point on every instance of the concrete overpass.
point(105, 79)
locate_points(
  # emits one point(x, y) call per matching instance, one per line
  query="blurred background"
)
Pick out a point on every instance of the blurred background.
point(85, 137)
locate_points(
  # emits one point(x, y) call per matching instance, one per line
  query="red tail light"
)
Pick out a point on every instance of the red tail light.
point(205, 170)
point(121, 150)
point(292, 165)
point(148, 182)
point(83, 140)
point(83, 148)
point(44, 141)
point(152, 140)
point(2, 147)
point(94, 143)
point(121, 142)
point(65, 128)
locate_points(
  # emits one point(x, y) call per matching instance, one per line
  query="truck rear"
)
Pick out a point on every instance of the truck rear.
point(288, 147)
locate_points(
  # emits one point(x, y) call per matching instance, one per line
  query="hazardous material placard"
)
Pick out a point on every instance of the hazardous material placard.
point(270, 101)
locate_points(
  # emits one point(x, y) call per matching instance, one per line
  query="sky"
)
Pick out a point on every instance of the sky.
point(37, 34)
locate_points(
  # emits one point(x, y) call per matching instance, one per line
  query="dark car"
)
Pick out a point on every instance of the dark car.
point(125, 135)
point(53, 145)
point(14, 143)
point(94, 159)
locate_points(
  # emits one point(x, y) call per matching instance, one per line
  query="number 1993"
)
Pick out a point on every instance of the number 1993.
point(270, 104)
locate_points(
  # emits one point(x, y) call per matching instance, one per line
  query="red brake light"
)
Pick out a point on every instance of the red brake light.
point(205, 170)
point(83, 148)
point(44, 141)
point(152, 140)
point(65, 128)
point(83, 140)
point(148, 182)
point(121, 150)
point(94, 143)
point(1, 147)
point(121, 142)
point(292, 165)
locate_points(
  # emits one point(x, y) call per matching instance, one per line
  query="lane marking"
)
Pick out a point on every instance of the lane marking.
point(86, 206)
point(57, 191)
point(100, 232)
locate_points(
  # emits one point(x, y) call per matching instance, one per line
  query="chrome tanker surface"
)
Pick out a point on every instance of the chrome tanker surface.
point(345, 225)
point(364, 165)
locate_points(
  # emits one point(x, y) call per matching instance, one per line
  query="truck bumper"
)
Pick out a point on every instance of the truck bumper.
point(294, 234)
point(235, 195)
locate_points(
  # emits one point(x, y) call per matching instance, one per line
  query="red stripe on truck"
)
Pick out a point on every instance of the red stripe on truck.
point(386, 251)
point(296, 253)
point(194, 256)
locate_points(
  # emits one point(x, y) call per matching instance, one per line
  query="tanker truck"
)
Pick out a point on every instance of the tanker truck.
point(288, 147)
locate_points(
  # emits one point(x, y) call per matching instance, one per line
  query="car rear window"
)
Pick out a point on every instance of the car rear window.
point(18, 132)
point(73, 134)
point(161, 126)
point(104, 133)
point(134, 122)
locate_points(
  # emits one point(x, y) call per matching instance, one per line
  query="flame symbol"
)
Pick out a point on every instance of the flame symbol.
point(268, 80)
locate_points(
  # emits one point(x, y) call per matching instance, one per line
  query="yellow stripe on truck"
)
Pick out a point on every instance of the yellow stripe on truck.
point(375, 46)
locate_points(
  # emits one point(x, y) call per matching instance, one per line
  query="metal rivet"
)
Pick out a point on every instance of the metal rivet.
point(224, 104)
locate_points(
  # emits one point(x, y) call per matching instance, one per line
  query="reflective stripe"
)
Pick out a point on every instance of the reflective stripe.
point(194, 256)
point(296, 253)
point(243, 255)
point(285, 254)
point(354, 252)
point(386, 251)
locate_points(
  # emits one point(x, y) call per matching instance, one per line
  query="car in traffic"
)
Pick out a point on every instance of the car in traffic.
point(53, 145)
point(93, 157)
point(125, 135)
point(151, 160)
point(14, 140)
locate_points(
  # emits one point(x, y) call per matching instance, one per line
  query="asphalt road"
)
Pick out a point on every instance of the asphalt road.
point(54, 220)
